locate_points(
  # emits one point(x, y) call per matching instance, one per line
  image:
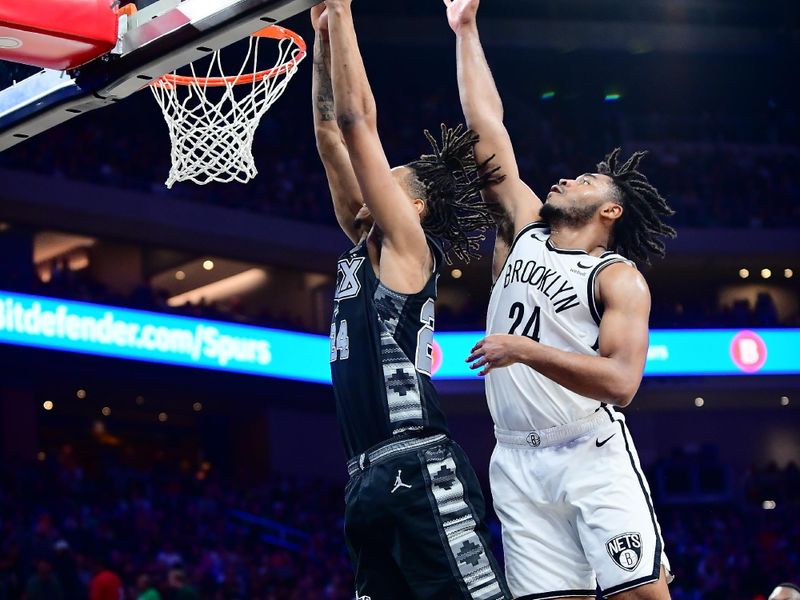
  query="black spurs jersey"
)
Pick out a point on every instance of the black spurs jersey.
point(381, 355)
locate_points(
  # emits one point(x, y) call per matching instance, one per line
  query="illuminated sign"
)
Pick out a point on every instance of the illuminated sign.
point(155, 337)
point(160, 338)
point(675, 352)
point(748, 351)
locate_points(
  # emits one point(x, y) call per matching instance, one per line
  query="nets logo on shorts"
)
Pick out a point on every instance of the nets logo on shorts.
point(626, 550)
point(533, 439)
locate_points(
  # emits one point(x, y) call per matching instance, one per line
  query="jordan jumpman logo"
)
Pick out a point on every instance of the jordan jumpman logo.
point(398, 483)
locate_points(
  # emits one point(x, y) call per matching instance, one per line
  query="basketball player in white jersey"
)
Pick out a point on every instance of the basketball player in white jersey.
point(567, 339)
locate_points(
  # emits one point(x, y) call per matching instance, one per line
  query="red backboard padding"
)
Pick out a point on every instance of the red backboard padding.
point(61, 34)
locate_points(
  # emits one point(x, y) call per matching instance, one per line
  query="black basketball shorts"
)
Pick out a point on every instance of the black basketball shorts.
point(414, 524)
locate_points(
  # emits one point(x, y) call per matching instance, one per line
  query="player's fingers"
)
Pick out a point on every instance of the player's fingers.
point(478, 363)
point(478, 345)
point(476, 352)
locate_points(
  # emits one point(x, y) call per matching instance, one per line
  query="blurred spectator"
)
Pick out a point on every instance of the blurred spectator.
point(785, 591)
point(169, 557)
point(145, 589)
point(66, 570)
point(44, 585)
point(766, 315)
point(179, 588)
point(105, 585)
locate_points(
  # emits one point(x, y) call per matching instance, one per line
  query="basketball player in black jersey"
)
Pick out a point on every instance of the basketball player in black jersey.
point(414, 509)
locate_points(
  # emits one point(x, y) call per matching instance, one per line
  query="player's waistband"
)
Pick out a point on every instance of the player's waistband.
point(552, 436)
point(383, 452)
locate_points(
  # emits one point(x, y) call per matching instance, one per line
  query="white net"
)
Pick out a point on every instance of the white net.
point(211, 127)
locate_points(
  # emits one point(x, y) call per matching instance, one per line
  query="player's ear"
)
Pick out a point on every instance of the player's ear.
point(611, 210)
point(420, 205)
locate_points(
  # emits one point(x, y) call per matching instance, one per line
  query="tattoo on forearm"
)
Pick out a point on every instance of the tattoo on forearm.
point(324, 96)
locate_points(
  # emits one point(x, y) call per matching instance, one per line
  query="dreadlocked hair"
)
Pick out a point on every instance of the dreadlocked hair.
point(450, 181)
point(638, 233)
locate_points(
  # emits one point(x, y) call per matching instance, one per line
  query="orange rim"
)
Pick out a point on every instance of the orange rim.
point(128, 10)
point(274, 32)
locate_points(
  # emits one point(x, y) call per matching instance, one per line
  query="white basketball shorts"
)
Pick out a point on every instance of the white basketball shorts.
point(575, 509)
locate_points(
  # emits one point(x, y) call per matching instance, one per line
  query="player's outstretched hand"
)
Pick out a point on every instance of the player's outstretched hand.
point(319, 18)
point(497, 351)
point(461, 13)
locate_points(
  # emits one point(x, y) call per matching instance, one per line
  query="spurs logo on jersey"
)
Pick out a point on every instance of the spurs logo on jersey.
point(547, 294)
point(347, 283)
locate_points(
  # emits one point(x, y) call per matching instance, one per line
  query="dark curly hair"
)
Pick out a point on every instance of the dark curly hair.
point(637, 235)
point(450, 181)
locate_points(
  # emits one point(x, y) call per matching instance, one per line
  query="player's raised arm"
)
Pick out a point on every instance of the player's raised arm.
point(346, 194)
point(483, 110)
point(613, 376)
point(356, 116)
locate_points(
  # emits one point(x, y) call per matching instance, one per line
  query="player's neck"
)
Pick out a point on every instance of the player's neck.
point(587, 238)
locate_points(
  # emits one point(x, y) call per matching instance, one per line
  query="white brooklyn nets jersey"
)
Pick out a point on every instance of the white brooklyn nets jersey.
point(545, 293)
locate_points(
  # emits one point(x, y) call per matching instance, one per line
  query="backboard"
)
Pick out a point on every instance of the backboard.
point(156, 40)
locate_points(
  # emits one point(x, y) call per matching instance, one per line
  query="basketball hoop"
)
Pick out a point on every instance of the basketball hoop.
point(212, 119)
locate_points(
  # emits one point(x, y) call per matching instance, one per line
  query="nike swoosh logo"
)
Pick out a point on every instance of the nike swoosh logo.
point(584, 266)
point(599, 443)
